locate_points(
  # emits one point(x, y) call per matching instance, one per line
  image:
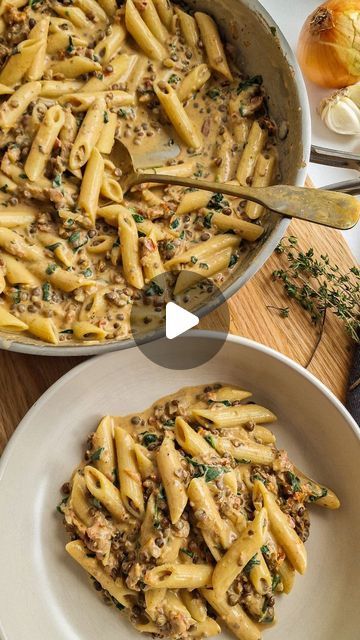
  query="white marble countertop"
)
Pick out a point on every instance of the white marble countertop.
point(290, 16)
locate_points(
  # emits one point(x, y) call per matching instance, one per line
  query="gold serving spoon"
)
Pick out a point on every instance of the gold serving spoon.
point(329, 208)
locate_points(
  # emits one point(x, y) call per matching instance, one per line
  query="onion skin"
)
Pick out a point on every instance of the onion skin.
point(329, 44)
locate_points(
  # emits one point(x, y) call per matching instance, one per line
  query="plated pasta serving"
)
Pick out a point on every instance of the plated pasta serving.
point(76, 75)
point(188, 516)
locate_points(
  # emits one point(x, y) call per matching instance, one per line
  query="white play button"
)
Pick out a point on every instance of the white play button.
point(178, 320)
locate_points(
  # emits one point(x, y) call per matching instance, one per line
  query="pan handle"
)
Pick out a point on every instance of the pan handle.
point(334, 158)
point(349, 186)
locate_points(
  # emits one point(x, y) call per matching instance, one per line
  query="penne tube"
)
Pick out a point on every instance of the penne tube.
point(151, 18)
point(122, 67)
point(43, 142)
point(117, 588)
point(15, 244)
point(74, 14)
point(19, 216)
point(260, 576)
point(195, 604)
point(88, 135)
point(129, 476)
point(179, 576)
point(107, 136)
point(103, 490)
point(130, 248)
point(165, 11)
point(60, 278)
point(12, 109)
point(142, 34)
point(109, 6)
point(192, 442)
point(192, 201)
point(240, 553)
point(209, 266)
point(287, 575)
point(86, 330)
point(93, 10)
point(67, 136)
point(263, 176)
point(194, 80)
point(39, 32)
point(233, 416)
point(153, 601)
point(103, 443)
point(74, 67)
point(246, 451)
point(10, 323)
point(19, 62)
point(145, 465)
point(209, 247)
point(150, 258)
point(206, 629)
point(188, 28)
point(177, 115)
point(254, 146)
point(42, 328)
point(56, 88)
point(60, 40)
point(79, 499)
point(17, 272)
point(213, 45)
point(218, 533)
point(111, 189)
point(230, 394)
point(171, 551)
point(137, 72)
point(52, 243)
point(234, 617)
point(245, 230)
point(91, 185)
point(282, 530)
point(107, 47)
point(83, 100)
point(319, 495)
point(169, 461)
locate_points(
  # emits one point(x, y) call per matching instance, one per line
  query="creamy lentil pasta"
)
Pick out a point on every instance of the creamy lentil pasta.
point(76, 75)
point(188, 515)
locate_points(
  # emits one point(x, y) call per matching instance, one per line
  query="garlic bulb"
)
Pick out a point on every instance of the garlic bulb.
point(341, 112)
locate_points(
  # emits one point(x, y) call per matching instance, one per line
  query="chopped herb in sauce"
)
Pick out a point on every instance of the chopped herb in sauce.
point(213, 93)
point(87, 273)
point(210, 440)
point(207, 220)
point(252, 563)
point(46, 291)
point(249, 83)
point(51, 268)
point(275, 581)
point(60, 505)
point(174, 79)
point(233, 260)
point(137, 217)
point(52, 247)
point(97, 454)
point(175, 223)
point(70, 48)
point(294, 481)
point(149, 438)
point(187, 552)
point(154, 290)
point(106, 117)
point(194, 259)
point(57, 182)
point(314, 497)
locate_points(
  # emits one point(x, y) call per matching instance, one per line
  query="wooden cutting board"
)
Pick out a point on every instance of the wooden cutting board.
point(24, 378)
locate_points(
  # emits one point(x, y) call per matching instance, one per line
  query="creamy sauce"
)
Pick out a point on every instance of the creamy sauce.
point(222, 112)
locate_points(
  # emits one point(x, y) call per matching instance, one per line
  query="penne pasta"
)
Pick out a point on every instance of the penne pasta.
point(177, 115)
point(213, 45)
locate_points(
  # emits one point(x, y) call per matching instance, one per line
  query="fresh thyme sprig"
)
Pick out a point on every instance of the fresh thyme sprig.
point(318, 286)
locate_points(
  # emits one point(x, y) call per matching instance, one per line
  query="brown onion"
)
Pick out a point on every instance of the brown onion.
point(329, 44)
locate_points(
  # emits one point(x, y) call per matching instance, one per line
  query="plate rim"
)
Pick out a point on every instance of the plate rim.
point(202, 334)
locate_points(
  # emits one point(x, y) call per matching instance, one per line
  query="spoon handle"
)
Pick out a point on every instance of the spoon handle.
point(329, 208)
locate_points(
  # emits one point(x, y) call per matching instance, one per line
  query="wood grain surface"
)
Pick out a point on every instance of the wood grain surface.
point(24, 378)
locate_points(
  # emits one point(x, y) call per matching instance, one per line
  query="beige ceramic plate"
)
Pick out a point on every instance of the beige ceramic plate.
point(45, 596)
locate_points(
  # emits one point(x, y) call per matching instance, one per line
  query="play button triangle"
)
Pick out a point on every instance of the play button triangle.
point(178, 320)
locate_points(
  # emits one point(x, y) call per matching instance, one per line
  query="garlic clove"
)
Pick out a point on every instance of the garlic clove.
point(353, 93)
point(341, 114)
